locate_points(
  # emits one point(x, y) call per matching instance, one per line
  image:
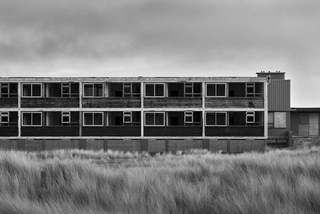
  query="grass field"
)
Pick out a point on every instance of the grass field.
point(278, 181)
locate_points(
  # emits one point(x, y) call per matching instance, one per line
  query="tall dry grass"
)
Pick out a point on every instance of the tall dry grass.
point(199, 182)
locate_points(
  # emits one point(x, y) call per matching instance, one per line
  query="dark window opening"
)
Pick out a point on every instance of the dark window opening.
point(216, 89)
point(119, 118)
point(175, 89)
point(237, 89)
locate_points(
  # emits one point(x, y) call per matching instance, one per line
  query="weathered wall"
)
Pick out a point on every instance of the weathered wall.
point(111, 102)
point(235, 102)
point(50, 102)
point(173, 102)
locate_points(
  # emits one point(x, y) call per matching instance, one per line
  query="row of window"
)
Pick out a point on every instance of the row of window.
point(133, 89)
point(134, 118)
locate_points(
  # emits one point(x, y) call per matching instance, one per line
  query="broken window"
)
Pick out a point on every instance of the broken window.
point(124, 89)
point(154, 89)
point(31, 118)
point(8, 89)
point(154, 118)
point(216, 118)
point(216, 89)
point(127, 118)
point(8, 118)
point(254, 89)
point(93, 90)
point(242, 118)
point(237, 89)
point(93, 118)
point(70, 89)
point(192, 89)
point(31, 90)
point(175, 89)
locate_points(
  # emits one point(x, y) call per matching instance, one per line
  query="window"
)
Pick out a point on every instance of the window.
point(192, 89)
point(93, 90)
point(65, 117)
point(254, 89)
point(250, 117)
point(31, 90)
point(131, 89)
point(127, 117)
point(8, 89)
point(93, 118)
point(31, 118)
point(216, 118)
point(70, 89)
point(188, 117)
point(4, 118)
point(154, 90)
point(216, 89)
point(154, 118)
point(280, 120)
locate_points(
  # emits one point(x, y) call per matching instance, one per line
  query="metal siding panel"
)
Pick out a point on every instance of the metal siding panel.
point(303, 130)
point(279, 95)
point(313, 124)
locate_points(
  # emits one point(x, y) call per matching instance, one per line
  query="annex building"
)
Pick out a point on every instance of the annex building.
point(154, 114)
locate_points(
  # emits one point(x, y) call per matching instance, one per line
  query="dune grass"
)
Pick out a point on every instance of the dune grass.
point(278, 181)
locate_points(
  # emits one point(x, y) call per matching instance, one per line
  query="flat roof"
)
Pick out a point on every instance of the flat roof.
point(306, 109)
point(134, 79)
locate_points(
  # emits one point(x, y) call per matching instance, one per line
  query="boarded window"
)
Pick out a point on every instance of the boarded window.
point(280, 120)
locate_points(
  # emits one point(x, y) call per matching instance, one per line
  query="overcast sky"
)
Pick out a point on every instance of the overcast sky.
point(164, 38)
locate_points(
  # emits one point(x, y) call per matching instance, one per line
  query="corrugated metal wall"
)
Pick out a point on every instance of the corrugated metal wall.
point(279, 95)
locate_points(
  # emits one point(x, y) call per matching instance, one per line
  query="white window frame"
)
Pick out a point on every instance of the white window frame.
point(188, 114)
point(153, 112)
point(129, 85)
point(3, 115)
point(253, 86)
point(250, 114)
point(192, 94)
point(5, 85)
point(127, 114)
point(31, 96)
point(65, 85)
point(217, 112)
point(65, 114)
point(154, 89)
point(32, 119)
point(98, 83)
point(216, 91)
point(92, 112)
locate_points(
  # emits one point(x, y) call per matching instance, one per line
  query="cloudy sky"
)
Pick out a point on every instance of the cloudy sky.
point(164, 38)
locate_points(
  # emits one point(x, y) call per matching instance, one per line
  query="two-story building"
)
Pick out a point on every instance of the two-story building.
point(155, 114)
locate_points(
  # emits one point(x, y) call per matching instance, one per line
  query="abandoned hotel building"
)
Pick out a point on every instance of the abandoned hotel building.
point(154, 114)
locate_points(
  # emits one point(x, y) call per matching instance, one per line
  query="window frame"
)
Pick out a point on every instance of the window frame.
point(188, 114)
point(65, 114)
point(192, 93)
point(154, 112)
point(250, 114)
point(36, 112)
point(93, 85)
point(93, 112)
point(4, 114)
point(127, 114)
point(217, 112)
point(130, 86)
point(216, 91)
point(31, 96)
point(154, 89)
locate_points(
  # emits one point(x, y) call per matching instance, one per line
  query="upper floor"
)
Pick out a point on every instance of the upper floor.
point(140, 92)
